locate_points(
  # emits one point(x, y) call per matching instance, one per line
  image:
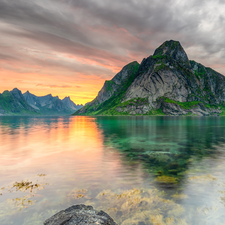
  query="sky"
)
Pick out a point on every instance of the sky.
point(70, 47)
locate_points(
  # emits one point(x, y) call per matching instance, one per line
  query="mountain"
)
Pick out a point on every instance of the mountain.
point(50, 105)
point(70, 104)
point(165, 83)
point(13, 103)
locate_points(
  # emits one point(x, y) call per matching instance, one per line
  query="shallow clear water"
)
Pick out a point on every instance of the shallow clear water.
point(140, 170)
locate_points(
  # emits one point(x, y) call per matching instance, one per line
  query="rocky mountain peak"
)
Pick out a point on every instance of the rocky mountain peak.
point(66, 98)
point(174, 50)
point(165, 83)
point(6, 92)
point(16, 90)
point(51, 105)
point(125, 73)
point(17, 93)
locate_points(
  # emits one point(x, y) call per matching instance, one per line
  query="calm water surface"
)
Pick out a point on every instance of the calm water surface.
point(140, 170)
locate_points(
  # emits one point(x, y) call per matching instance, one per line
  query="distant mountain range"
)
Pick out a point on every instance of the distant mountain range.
point(15, 103)
point(51, 105)
point(165, 83)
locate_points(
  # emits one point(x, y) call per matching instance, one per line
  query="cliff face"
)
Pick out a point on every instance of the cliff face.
point(112, 91)
point(166, 83)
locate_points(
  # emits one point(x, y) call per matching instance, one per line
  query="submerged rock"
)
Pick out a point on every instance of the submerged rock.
point(79, 215)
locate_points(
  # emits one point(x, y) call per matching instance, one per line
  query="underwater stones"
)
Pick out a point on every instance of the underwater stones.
point(143, 203)
point(141, 223)
point(119, 213)
point(79, 215)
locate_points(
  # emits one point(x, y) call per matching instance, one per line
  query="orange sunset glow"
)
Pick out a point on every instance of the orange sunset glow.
point(80, 90)
point(83, 129)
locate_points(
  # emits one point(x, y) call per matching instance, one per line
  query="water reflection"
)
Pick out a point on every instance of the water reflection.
point(141, 170)
point(165, 145)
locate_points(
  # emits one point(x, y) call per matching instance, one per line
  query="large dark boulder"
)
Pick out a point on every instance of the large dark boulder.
point(79, 215)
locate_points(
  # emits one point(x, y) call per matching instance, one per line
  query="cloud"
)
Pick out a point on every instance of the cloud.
point(4, 57)
point(96, 38)
point(54, 86)
point(116, 30)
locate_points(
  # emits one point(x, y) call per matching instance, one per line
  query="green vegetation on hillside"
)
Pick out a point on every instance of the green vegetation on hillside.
point(159, 56)
point(183, 105)
point(167, 73)
point(193, 104)
point(5, 100)
point(221, 107)
point(156, 112)
point(109, 106)
point(109, 85)
point(11, 106)
point(200, 72)
point(160, 67)
point(171, 44)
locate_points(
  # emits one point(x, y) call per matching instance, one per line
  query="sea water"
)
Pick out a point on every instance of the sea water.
point(140, 170)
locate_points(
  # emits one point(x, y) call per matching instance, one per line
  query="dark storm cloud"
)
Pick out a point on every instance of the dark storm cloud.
point(5, 57)
point(113, 33)
point(35, 60)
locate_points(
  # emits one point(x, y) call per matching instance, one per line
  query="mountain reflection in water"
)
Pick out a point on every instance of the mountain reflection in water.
point(140, 170)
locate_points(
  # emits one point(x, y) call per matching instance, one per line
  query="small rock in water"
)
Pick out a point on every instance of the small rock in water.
point(79, 215)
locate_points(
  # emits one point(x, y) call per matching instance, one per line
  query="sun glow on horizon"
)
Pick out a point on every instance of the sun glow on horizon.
point(81, 92)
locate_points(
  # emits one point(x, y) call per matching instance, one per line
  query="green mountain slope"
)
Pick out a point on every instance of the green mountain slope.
point(13, 103)
point(112, 93)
